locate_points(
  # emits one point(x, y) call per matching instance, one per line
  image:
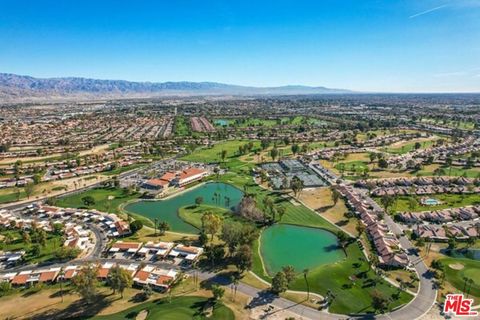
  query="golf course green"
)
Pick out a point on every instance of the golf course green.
point(300, 247)
point(215, 193)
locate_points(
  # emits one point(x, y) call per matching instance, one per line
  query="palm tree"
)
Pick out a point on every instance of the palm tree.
point(470, 282)
point(305, 273)
point(61, 274)
point(155, 223)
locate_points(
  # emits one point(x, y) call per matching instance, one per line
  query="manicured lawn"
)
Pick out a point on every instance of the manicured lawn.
point(351, 296)
point(193, 214)
point(213, 154)
point(337, 278)
point(402, 203)
point(123, 169)
point(353, 166)
point(106, 199)
point(179, 308)
point(255, 122)
point(11, 196)
point(182, 127)
point(450, 171)
point(471, 269)
point(467, 125)
point(410, 146)
point(53, 243)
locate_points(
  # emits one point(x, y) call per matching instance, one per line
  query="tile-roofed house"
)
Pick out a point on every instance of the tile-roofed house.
point(130, 247)
point(157, 278)
point(21, 278)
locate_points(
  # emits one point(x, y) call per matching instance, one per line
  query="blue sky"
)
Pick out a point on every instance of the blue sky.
point(381, 45)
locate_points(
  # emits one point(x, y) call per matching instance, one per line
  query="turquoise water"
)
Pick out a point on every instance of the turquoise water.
point(431, 202)
point(221, 122)
point(167, 210)
point(300, 247)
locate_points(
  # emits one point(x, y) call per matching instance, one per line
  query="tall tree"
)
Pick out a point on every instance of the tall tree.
point(279, 283)
point(163, 226)
point(274, 153)
point(243, 258)
point(335, 196)
point(217, 292)
point(289, 272)
point(305, 277)
point(119, 279)
point(296, 185)
point(211, 223)
point(85, 282)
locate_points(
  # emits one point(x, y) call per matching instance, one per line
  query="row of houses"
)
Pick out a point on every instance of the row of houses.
point(390, 252)
point(424, 190)
point(65, 173)
point(445, 232)
point(157, 278)
point(389, 139)
point(470, 144)
point(414, 182)
point(108, 222)
point(442, 216)
point(183, 254)
point(75, 235)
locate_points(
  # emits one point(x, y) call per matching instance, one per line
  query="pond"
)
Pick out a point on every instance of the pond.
point(214, 193)
point(430, 201)
point(473, 254)
point(222, 122)
point(300, 247)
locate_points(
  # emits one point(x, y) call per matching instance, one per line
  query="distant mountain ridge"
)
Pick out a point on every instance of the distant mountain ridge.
point(14, 87)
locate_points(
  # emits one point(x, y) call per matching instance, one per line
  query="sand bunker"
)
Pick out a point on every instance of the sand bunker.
point(142, 315)
point(456, 266)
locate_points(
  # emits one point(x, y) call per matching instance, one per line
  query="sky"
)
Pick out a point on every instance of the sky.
point(364, 45)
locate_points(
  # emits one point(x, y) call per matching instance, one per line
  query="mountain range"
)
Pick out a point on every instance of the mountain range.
point(18, 87)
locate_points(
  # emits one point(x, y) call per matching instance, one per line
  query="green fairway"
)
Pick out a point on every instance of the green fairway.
point(453, 171)
point(213, 154)
point(182, 126)
point(124, 169)
point(456, 270)
point(106, 199)
point(47, 252)
point(193, 214)
point(352, 282)
point(409, 147)
point(352, 166)
point(179, 308)
point(10, 195)
point(412, 203)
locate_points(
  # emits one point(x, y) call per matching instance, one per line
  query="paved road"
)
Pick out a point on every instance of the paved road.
point(16, 205)
point(427, 293)
point(421, 303)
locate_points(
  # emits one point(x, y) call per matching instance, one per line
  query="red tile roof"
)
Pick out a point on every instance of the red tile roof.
point(48, 276)
point(127, 245)
point(20, 279)
point(187, 173)
point(157, 182)
point(164, 279)
point(168, 176)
